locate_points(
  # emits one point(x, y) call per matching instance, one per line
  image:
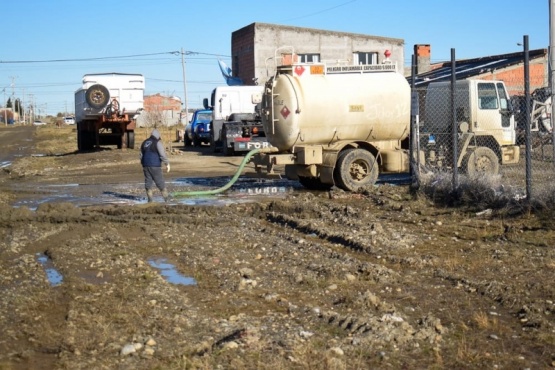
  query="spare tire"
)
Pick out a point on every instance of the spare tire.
point(97, 96)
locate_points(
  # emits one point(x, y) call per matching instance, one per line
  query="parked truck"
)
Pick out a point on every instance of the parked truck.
point(345, 125)
point(486, 125)
point(236, 124)
point(106, 108)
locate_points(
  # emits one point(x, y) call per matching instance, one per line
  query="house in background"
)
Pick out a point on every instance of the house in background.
point(160, 109)
point(506, 67)
point(257, 48)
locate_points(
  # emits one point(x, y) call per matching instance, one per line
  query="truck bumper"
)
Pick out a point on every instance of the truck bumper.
point(247, 146)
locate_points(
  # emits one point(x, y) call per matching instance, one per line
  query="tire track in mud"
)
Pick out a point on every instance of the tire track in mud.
point(517, 310)
point(368, 319)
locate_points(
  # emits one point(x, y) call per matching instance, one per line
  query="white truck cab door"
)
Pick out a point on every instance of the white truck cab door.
point(494, 116)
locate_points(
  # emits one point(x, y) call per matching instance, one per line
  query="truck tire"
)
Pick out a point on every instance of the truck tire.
point(97, 96)
point(196, 141)
point(85, 141)
point(313, 183)
point(130, 139)
point(355, 169)
point(481, 160)
point(186, 140)
point(213, 144)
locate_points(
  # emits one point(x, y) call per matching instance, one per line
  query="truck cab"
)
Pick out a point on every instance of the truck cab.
point(236, 125)
point(485, 120)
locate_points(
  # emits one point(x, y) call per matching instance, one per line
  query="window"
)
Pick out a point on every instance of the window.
point(503, 96)
point(487, 96)
point(309, 58)
point(365, 58)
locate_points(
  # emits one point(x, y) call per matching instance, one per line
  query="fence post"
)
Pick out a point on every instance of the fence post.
point(528, 121)
point(455, 128)
point(414, 149)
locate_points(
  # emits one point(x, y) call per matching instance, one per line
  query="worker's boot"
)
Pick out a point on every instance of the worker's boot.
point(149, 195)
point(165, 195)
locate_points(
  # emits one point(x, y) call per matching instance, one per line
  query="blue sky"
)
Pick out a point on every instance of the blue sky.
point(74, 33)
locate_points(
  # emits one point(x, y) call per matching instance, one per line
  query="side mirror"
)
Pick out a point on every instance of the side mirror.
point(205, 103)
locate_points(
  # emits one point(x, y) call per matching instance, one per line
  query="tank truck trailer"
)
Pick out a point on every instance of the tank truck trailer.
point(345, 125)
point(106, 108)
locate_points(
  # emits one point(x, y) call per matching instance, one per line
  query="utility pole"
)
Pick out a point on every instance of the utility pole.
point(23, 104)
point(5, 113)
point(14, 106)
point(32, 108)
point(551, 64)
point(185, 86)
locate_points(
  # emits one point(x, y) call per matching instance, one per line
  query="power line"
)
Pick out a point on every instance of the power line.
point(106, 58)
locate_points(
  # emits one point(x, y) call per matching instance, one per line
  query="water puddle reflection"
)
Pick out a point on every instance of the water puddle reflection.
point(53, 276)
point(170, 273)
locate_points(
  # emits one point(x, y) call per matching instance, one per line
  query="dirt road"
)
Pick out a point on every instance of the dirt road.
point(330, 280)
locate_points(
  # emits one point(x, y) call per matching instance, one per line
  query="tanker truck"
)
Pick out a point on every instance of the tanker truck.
point(346, 125)
point(106, 108)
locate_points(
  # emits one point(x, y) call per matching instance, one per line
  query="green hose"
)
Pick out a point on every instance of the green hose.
point(223, 188)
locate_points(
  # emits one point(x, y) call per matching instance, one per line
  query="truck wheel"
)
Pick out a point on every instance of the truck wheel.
point(186, 140)
point(355, 169)
point(85, 141)
point(196, 141)
point(313, 183)
point(481, 160)
point(213, 145)
point(97, 96)
point(130, 139)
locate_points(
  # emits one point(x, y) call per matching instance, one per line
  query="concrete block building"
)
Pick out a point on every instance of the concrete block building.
point(257, 48)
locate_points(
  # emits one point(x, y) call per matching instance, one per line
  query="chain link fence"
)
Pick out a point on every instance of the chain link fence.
point(480, 147)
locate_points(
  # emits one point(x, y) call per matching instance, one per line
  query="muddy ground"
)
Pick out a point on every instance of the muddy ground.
point(320, 280)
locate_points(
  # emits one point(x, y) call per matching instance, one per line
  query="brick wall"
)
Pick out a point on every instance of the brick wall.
point(514, 76)
point(160, 103)
point(242, 46)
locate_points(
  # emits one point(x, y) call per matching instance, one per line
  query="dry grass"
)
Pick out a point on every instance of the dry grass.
point(483, 192)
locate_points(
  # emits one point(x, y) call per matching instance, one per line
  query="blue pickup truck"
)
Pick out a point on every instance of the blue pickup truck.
point(197, 130)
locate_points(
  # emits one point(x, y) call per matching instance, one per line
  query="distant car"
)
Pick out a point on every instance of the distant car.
point(69, 120)
point(39, 123)
point(198, 130)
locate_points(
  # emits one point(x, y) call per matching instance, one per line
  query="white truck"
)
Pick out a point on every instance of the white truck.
point(106, 108)
point(487, 130)
point(344, 125)
point(236, 126)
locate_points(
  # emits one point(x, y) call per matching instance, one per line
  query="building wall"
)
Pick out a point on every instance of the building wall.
point(159, 102)
point(160, 109)
point(257, 48)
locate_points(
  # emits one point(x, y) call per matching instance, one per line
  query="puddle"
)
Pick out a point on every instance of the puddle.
point(170, 273)
point(244, 190)
point(5, 164)
point(53, 276)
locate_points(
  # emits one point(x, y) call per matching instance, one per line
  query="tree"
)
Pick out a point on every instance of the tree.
point(9, 103)
point(18, 107)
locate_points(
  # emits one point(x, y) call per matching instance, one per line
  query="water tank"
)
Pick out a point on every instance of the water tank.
point(323, 108)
